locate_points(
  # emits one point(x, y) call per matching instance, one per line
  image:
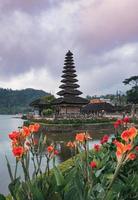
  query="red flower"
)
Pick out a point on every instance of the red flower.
point(56, 152)
point(125, 135)
point(118, 123)
point(35, 141)
point(126, 120)
point(115, 141)
point(97, 147)
point(28, 144)
point(132, 156)
point(93, 164)
point(50, 148)
point(136, 148)
point(18, 151)
point(104, 139)
point(14, 135)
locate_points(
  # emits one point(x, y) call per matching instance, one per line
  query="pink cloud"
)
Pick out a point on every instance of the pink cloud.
point(108, 23)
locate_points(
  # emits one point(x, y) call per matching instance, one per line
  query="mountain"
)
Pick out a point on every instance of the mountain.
point(17, 101)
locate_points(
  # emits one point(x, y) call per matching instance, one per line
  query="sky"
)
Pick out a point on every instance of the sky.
point(35, 35)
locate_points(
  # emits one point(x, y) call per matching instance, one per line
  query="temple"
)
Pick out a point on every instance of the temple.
point(69, 104)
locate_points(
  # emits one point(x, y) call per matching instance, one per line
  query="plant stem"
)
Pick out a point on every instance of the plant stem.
point(15, 172)
point(119, 165)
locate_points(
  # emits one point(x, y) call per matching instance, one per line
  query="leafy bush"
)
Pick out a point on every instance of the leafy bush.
point(106, 172)
point(74, 121)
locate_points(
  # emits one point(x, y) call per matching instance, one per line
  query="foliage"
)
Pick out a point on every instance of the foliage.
point(75, 121)
point(108, 171)
point(49, 108)
point(132, 80)
point(48, 98)
point(47, 112)
point(132, 94)
point(15, 101)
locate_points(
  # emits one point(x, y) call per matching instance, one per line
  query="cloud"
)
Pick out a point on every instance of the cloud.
point(109, 70)
point(35, 36)
point(108, 23)
point(38, 79)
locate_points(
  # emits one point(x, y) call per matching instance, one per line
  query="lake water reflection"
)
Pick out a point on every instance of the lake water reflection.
point(9, 123)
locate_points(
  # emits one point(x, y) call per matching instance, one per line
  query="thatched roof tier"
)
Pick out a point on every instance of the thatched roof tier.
point(68, 91)
point(97, 107)
point(69, 70)
point(68, 75)
point(73, 101)
point(38, 102)
point(71, 80)
point(69, 85)
point(69, 62)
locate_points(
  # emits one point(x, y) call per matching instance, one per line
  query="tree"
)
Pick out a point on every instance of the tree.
point(132, 94)
point(48, 100)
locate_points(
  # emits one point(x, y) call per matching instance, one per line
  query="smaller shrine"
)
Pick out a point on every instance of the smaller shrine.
point(98, 107)
point(69, 104)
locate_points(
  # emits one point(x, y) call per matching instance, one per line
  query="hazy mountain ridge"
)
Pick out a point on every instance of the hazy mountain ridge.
point(16, 101)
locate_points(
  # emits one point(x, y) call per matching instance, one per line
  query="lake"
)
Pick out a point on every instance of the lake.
point(9, 123)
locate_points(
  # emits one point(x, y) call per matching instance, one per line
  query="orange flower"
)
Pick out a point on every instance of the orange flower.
point(31, 128)
point(15, 143)
point(129, 134)
point(121, 149)
point(14, 135)
point(34, 127)
point(133, 132)
point(25, 131)
point(18, 151)
point(70, 144)
point(50, 148)
point(80, 137)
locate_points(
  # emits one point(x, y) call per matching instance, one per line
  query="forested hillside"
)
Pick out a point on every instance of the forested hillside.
point(16, 101)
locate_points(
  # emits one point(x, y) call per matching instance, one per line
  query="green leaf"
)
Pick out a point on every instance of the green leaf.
point(98, 172)
point(9, 169)
point(109, 176)
point(2, 197)
point(59, 176)
point(14, 187)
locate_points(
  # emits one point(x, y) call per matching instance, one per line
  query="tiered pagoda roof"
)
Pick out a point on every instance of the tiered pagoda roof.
point(69, 92)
